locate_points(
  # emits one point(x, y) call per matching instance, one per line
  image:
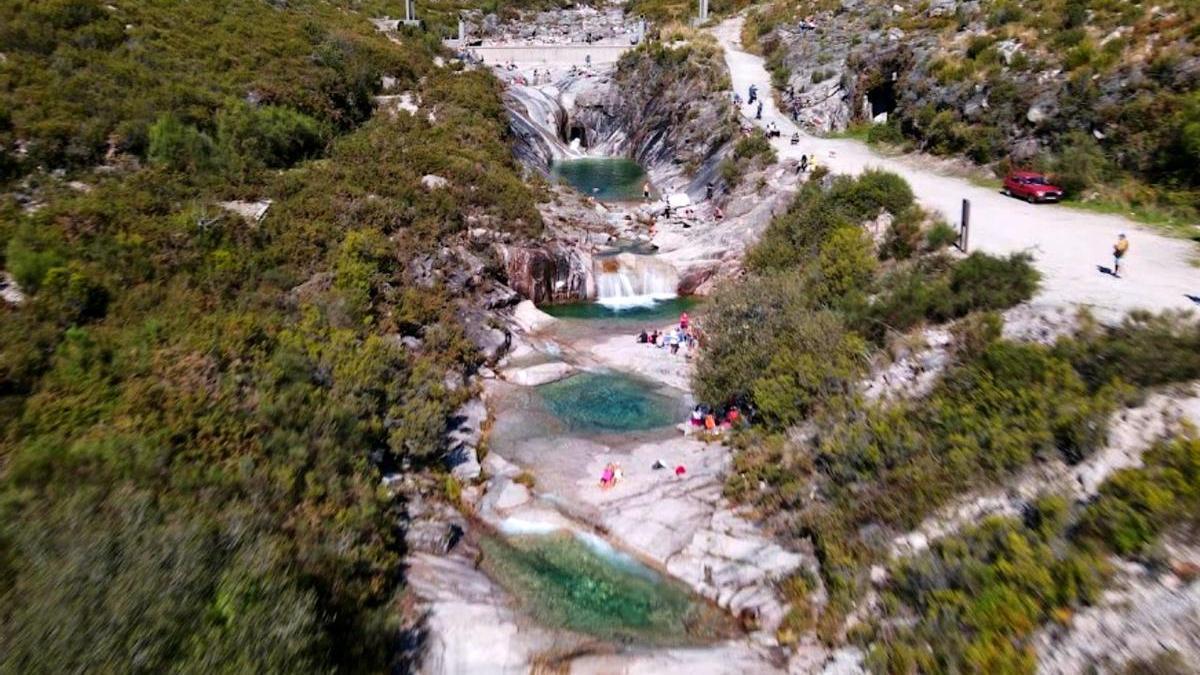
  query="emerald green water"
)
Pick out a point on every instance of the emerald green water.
point(608, 179)
point(658, 310)
point(563, 583)
point(608, 402)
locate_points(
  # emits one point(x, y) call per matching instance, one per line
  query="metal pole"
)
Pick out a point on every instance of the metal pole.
point(965, 228)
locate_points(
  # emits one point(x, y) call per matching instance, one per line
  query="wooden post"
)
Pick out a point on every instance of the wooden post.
point(964, 228)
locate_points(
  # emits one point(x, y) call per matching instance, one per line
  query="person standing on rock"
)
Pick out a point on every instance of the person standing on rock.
point(708, 191)
point(758, 113)
point(646, 191)
point(1119, 250)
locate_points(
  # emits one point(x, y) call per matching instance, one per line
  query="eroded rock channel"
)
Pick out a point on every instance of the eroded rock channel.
point(550, 568)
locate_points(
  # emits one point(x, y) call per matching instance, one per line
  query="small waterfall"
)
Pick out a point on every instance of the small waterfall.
point(629, 280)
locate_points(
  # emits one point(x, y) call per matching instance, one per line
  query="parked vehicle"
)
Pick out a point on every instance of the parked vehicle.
point(1032, 187)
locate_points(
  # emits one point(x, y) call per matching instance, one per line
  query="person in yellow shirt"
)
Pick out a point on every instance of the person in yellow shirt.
point(1119, 250)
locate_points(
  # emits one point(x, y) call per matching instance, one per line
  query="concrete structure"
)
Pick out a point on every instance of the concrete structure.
point(558, 55)
point(410, 13)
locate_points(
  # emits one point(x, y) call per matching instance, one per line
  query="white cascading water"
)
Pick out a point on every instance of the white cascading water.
point(629, 280)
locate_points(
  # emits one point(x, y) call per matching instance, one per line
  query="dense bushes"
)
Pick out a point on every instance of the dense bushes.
point(1144, 349)
point(194, 409)
point(85, 78)
point(978, 597)
point(795, 238)
point(937, 289)
point(799, 356)
point(894, 464)
point(1136, 505)
point(753, 151)
point(825, 464)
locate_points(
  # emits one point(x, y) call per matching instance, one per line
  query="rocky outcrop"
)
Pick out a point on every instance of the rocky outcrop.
point(667, 107)
point(961, 79)
point(1151, 613)
point(550, 272)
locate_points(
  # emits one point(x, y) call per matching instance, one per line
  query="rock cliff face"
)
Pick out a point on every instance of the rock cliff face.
point(552, 272)
point(667, 107)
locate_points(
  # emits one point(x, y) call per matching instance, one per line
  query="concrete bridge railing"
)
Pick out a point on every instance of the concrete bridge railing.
point(547, 55)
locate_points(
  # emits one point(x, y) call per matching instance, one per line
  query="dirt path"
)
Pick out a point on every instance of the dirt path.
point(1068, 245)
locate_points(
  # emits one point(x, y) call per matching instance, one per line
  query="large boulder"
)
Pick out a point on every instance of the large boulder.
point(491, 340)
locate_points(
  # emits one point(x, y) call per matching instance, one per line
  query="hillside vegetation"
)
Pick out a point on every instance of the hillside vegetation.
point(195, 407)
point(794, 340)
point(1103, 94)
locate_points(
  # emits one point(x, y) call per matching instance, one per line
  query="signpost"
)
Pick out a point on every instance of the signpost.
point(964, 228)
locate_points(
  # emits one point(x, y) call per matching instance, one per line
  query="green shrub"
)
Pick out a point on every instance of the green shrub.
point(796, 236)
point(1136, 505)
point(178, 145)
point(1075, 13)
point(886, 134)
point(1144, 349)
point(27, 265)
point(1005, 13)
point(941, 235)
point(800, 356)
point(902, 239)
point(975, 333)
point(939, 290)
point(272, 136)
point(980, 596)
point(984, 282)
point(752, 146)
point(978, 43)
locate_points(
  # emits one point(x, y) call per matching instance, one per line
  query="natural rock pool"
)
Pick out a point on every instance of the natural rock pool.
point(564, 583)
point(655, 311)
point(609, 402)
point(609, 179)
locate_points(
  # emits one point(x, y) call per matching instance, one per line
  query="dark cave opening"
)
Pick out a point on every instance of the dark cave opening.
point(577, 132)
point(882, 98)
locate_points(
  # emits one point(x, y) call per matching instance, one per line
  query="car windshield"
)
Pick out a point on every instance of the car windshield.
point(1036, 180)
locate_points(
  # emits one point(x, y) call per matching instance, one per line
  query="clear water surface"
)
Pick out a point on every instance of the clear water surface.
point(609, 179)
point(564, 583)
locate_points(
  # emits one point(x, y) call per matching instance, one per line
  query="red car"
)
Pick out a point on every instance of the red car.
point(1032, 187)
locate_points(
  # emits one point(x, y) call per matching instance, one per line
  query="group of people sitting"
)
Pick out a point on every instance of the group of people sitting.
point(712, 421)
point(611, 475)
point(684, 335)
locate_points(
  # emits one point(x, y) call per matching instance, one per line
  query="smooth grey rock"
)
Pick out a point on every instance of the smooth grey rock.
point(432, 182)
